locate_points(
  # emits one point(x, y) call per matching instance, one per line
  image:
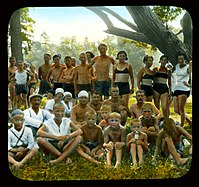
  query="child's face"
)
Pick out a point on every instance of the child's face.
point(67, 98)
point(147, 113)
point(104, 114)
point(91, 120)
point(136, 126)
point(49, 96)
point(18, 121)
point(58, 112)
point(114, 122)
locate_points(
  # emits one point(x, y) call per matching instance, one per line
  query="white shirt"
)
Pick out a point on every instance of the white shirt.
point(181, 76)
point(35, 120)
point(53, 128)
point(27, 137)
point(21, 78)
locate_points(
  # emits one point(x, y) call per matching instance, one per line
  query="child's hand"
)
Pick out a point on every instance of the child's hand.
point(60, 143)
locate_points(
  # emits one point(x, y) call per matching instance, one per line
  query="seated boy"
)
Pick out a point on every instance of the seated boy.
point(59, 136)
point(91, 147)
point(136, 142)
point(170, 141)
point(105, 110)
point(114, 139)
point(21, 147)
point(149, 122)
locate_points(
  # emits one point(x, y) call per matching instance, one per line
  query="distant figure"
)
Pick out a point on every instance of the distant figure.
point(102, 82)
point(145, 78)
point(42, 74)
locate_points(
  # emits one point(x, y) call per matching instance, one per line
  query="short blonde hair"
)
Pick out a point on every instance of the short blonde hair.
point(114, 115)
point(105, 108)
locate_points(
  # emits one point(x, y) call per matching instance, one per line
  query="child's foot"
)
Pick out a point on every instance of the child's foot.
point(182, 161)
point(54, 161)
point(68, 161)
point(117, 165)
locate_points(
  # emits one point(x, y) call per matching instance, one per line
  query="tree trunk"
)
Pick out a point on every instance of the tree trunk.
point(149, 29)
point(15, 34)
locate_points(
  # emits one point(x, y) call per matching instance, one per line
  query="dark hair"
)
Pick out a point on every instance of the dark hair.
point(182, 54)
point(146, 57)
point(67, 57)
point(164, 56)
point(57, 56)
point(122, 52)
point(92, 55)
point(102, 44)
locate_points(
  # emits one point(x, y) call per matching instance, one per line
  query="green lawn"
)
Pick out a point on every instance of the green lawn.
point(38, 168)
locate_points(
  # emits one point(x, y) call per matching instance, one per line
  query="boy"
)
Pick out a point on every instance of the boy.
point(92, 139)
point(170, 141)
point(136, 142)
point(105, 110)
point(20, 141)
point(59, 136)
point(114, 138)
point(149, 122)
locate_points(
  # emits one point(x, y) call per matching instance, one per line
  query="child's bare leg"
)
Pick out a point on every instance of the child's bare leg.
point(67, 150)
point(174, 153)
point(118, 153)
point(140, 154)
point(86, 156)
point(47, 147)
point(133, 154)
point(29, 155)
point(12, 160)
point(109, 156)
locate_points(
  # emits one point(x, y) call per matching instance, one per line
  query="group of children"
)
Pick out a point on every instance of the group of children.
point(95, 141)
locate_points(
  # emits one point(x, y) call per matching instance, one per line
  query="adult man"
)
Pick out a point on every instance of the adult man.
point(55, 73)
point(42, 74)
point(35, 116)
point(135, 108)
point(102, 69)
point(78, 111)
point(67, 76)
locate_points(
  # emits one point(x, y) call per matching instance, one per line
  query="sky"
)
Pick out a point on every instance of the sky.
point(60, 22)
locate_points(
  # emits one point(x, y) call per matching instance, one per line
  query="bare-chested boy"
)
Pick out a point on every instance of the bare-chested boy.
point(149, 122)
point(135, 108)
point(102, 82)
point(115, 101)
point(67, 76)
point(82, 76)
point(136, 142)
point(114, 139)
point(93, 140)
point(11, 70)
point(55, 73)
point(78, 111)
point(169, 141)
point(42, 74)
point(104, 112)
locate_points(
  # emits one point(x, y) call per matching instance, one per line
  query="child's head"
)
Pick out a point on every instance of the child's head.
point(105, 110)
point(114, 120)
point(67, 96)
point(147, 110)
point(91, 118)
point(136, 124)
point(169, 126)
point(17, 119)
point(58, 110)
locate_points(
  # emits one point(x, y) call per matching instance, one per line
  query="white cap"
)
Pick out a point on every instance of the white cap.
point(169, 64)
point(59, 90)
point(83, 93)
point(67, 93)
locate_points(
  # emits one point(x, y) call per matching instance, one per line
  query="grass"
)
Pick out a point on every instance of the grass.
point(38, 168)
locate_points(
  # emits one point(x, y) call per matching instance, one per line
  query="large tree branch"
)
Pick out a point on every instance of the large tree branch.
point(129, 24)
point(137, 36)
